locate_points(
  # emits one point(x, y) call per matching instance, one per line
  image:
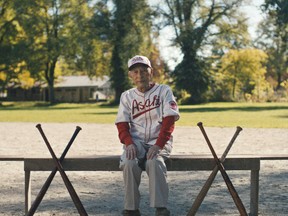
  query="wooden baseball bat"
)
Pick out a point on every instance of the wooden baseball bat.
point(200, 197)
point(224, 174)
point(65, 178)
point(47, 183)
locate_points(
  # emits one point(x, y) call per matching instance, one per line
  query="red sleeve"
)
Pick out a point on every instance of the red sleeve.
point(167, 128)
point(123, 133)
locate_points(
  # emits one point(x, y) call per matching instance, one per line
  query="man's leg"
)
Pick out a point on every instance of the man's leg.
point(132, 178)
point(158, 186)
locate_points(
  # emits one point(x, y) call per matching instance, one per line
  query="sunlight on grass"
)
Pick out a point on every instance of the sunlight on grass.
point(257, 115)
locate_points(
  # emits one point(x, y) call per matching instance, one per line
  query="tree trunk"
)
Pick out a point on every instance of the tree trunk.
point(279, 77)
point(234, 88)
point(51, 94)
point(118, 93)
point(49, 75)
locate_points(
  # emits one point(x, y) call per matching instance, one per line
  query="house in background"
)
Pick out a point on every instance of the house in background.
point(78, 89)
point(68, 89)
point(14, 92)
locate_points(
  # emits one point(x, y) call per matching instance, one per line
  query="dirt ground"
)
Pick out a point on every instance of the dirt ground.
point(102, 192)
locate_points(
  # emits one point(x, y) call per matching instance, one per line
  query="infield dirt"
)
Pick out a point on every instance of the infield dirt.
point(102, 192)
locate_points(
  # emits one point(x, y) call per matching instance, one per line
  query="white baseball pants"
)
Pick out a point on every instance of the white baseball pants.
point(157, 173)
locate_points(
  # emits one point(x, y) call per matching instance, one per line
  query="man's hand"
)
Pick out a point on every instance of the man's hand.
point(153, 151)
point(131, 152)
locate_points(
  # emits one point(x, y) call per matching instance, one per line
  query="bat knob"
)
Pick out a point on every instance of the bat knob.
point(239, 128)
point(38, 126)
point(199, 124)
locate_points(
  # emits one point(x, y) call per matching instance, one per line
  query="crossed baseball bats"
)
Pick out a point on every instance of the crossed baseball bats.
point(58, 167)
point(193, 209)
point(219, 166)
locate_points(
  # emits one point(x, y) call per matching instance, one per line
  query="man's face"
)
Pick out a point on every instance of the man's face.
point(141, 75)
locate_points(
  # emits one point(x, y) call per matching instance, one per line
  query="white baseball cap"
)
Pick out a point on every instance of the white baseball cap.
point(139, 60)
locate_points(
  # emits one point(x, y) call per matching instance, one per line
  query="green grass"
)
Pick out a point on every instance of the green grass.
point(42, 112)
point(249, 115)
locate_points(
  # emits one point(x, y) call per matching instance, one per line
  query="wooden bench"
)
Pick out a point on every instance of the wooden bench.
point(175, 163)
point(11, 158)
point(273, 157)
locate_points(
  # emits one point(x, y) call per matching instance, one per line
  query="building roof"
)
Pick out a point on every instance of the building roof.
point(80, 81)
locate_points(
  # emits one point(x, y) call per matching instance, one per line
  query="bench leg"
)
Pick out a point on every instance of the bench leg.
point(27, 192)
point(254, 193)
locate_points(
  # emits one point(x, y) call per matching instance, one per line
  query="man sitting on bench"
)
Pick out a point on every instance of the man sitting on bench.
point(145, 122)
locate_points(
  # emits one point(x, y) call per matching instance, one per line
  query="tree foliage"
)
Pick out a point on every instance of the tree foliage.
point(196, 24)
point(54, 30)
point(94, 53)
point(241, 76)
point(131, 36)
point(42, 39)
point(12, 44)
point(274, 39)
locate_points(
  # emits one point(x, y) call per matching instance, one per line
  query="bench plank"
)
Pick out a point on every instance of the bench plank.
point(111, 163)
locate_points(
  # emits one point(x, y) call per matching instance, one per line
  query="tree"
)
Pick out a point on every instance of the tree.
point(131, 28)
point(274, 39)
point(12, 65)
point(242, 74)
point(93, 55)
point(54, 30)
point(195, 24)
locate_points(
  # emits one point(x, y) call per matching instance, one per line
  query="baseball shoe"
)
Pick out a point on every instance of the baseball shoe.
point(162, 212)
point(131, 213)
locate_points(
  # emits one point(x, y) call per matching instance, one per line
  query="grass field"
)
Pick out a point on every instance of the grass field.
point(249, 115)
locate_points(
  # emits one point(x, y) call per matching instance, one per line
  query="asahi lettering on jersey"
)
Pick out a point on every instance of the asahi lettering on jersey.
point(145, 111)
point(140, 107)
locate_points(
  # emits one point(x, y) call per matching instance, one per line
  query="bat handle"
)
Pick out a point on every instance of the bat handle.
point(200, 125)
point(77, 130)
point(238, 130)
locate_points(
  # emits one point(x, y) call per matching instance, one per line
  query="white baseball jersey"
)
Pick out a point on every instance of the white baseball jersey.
point(145, 111)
